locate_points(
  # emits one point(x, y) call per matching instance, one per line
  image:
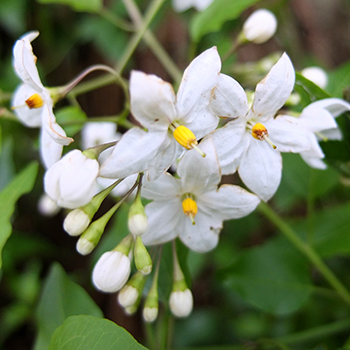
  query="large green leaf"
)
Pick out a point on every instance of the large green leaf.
point(338, 80)
point(60, 299)
point(77, 5)
point(87, 332)
point(273, 277)
point(22, 183)
point(219, 12)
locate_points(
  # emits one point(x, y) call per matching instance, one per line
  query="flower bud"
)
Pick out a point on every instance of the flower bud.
point(150, 313)
point(260, 26)
point(317, 75)
point(47, 207)
point(142, 258)
point(137, 219)
point(71, 181)
point(84, 246)
point(76, 222)
point(111, 272)
point(181, 303)
point(131, 292)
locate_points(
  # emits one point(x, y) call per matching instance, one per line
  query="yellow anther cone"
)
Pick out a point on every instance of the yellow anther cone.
point(34, 101)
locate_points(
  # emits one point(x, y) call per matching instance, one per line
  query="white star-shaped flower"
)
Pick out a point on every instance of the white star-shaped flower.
point(33, 104)
point(192, 207)
point(252, 142)
point(174, 122)
point(318, 119)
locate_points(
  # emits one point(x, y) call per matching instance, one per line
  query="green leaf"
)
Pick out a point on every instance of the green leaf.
point(87, 332)
point(273, 277)
point(331, 229)
point(338, 80)
point(77, 5)
point(60, 299)
point(71, 118)
point(21, 184)
point(214, 16)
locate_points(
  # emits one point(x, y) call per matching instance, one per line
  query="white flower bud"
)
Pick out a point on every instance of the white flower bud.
point(84, 246)
point(47, 207)
point(128, 296)
point(138, 224)
point(76, 222)
point(149, 314)
point(111, 272)
point(317, 75)
point(181, 303)
point(71, 181)
point(260, 26)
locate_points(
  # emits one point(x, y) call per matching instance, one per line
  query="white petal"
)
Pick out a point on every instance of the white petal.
point(52, 128)
point(332, 134)
point(335, 106)
point(204, 235)
point(198, 80)
point(315, 118)
point(50, 150)
point(261, 169)
point(95, 133)
point(314, 151)
point(163, 217)
point(152, 101)
point(273, 91)
point(132, 153)
point(25, 62)
point(198, 173)
point(201, 5)
point(165, 187)
point(182, 5)
point(230, 143)
point(229, 100)
point(316, 163)
point(287, 134)
point(29, 117)
point(229, 202)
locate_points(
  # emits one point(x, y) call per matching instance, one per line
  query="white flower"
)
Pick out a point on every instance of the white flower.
point(155, 106)
point(260, 26)
point(47, 207)
point(111, 271)
point(193, 207)
point(71, 181)
point(247, 144)
point(181, 303)
point(121, 189)
point(33, 104)
point(183, 5)
point(317, 75)
point(95, 133)
point(318, 119)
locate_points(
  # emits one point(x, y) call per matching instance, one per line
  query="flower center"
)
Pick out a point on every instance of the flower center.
point(260, 133)
point(185, 137)
point(34, 101)
point(189, 207)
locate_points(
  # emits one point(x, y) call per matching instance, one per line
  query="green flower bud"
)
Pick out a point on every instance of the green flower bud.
point(142, 258)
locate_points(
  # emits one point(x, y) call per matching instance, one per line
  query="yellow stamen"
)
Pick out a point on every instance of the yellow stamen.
point(190, 208)
point(185, 137)
point(34, 101)
point(259, 132)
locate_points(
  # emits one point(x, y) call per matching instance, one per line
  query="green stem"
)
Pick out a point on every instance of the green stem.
point(305, 249)
point(115, 20)
point(153, 43)
point(150, 14)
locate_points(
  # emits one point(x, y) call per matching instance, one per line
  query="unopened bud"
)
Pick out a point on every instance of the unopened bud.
point(142, 258)
point(181, 303)
point(317, 75)
point(137, 219)
point(150, 314)
point(132, 291)
point(84, 246)
point(260, 26)
point(47, 207)
point(76, 222)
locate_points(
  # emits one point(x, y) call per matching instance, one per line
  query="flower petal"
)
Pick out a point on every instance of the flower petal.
point(230, 143)
point(165, 187)
point(229, 100)
point(199, 78)
point(315, 118)
point(163, 217)
point(132, 153)
point(29, 117)
point(273, 91)
point(25, 62)
point(50, 150)
point(197, 173)
point(261, 169)
point(335, 106)
point(288, 134)
point(152, 101)
point(228, 202)
point(314, 162)
point(204, 235)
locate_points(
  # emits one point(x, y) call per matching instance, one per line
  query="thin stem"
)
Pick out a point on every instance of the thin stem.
point(115, 20)
point(150, 14)
point(305, 249)
point(152, 42)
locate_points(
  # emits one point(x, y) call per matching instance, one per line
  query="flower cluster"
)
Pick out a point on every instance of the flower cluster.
point(179, 130)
